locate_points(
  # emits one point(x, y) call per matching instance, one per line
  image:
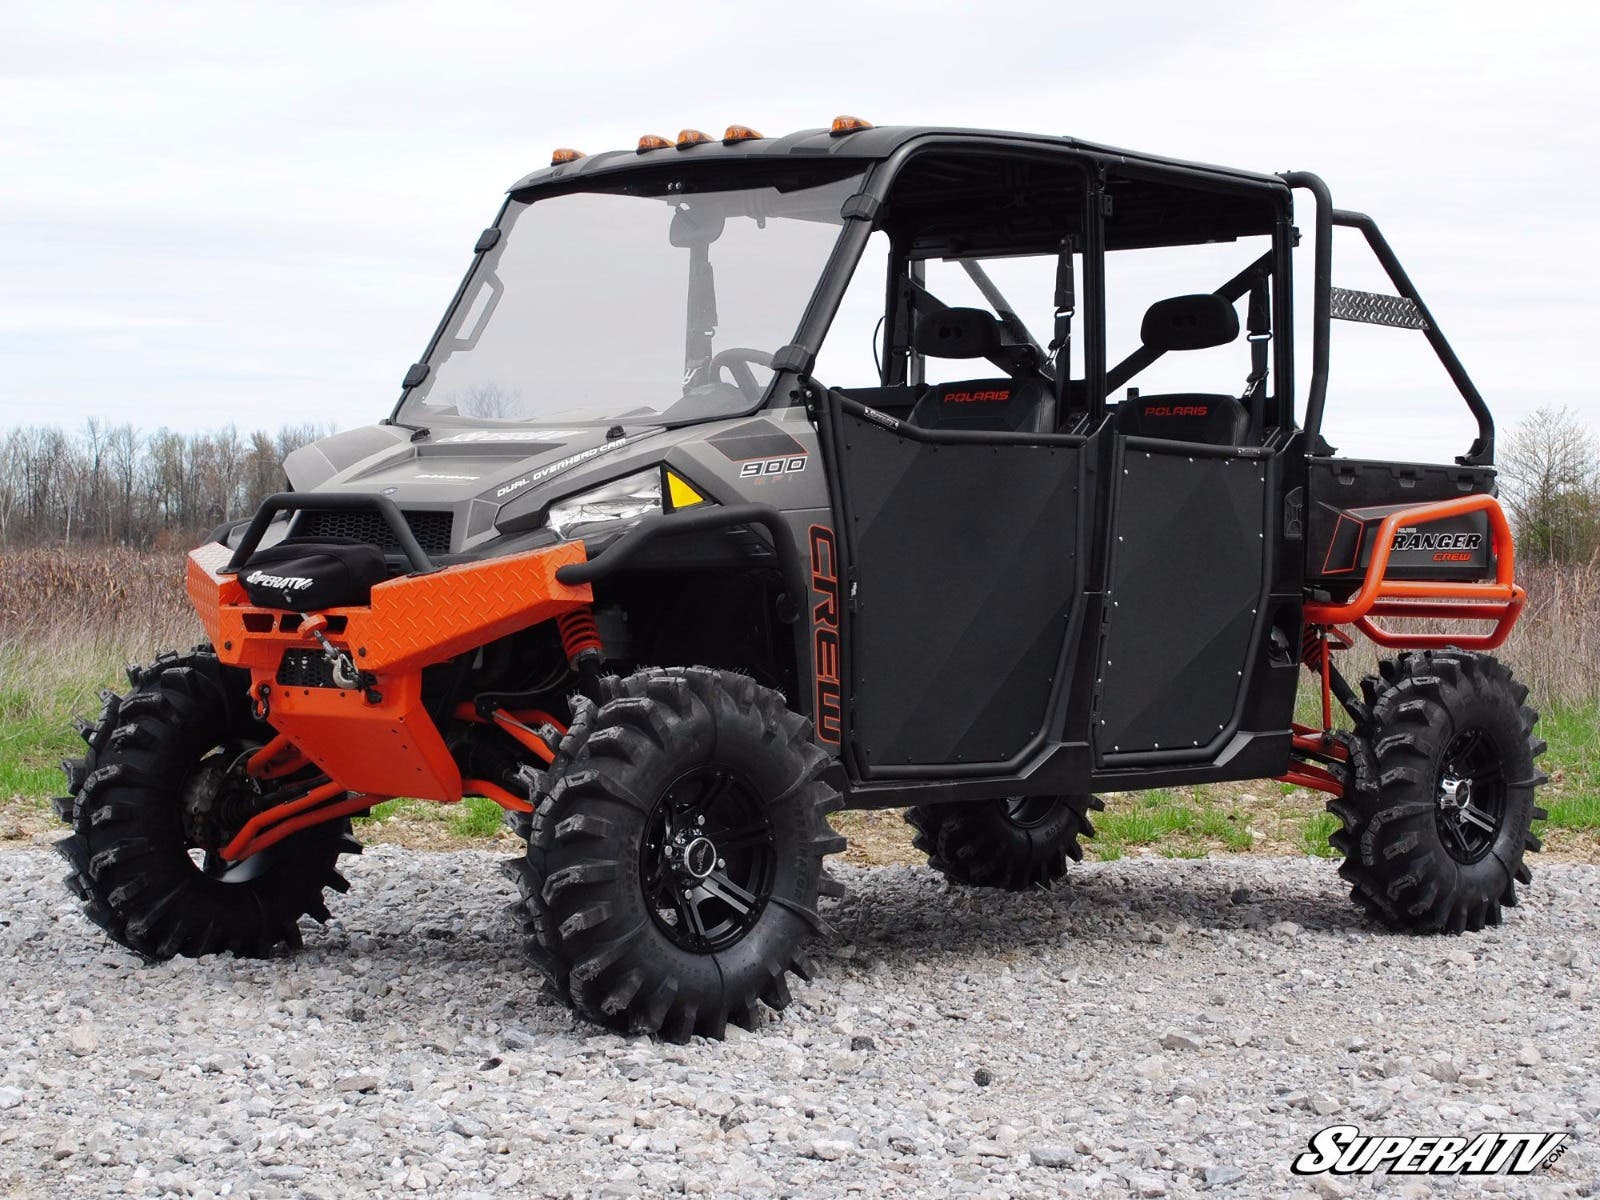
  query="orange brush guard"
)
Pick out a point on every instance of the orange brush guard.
point(379, 740)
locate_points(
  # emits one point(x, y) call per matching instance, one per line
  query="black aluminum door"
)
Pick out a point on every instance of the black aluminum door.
point(1186, 599)
point(962, 576)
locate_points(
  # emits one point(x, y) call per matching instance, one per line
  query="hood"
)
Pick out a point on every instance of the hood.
point(490, 479)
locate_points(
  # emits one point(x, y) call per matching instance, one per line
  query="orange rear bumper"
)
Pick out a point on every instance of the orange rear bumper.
point(381, 741)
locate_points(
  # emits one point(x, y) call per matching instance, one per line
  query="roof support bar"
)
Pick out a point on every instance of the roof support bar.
point(1482, 450)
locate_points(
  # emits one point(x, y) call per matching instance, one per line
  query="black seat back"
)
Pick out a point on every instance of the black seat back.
point(1006, 405)
point(1187, 323)
point(997, 405)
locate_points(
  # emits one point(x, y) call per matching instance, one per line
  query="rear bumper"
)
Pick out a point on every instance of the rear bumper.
point(380, 740)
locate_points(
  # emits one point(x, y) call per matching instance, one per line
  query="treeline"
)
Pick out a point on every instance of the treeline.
point(111, 484)
point(1550, 485)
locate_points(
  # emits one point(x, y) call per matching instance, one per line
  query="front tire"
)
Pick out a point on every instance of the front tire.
point(1017, 844)
point(1439, 795)
point(675, 857)
point(136, 863)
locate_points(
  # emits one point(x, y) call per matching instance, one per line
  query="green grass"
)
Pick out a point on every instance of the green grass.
point(1573, 797)
point(476, 817)
point(1314, 834)
point(39, 695)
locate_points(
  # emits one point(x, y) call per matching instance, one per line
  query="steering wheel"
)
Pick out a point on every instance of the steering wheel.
point(736, 361)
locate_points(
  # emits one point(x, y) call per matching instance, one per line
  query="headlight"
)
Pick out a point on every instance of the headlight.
point(620, 500)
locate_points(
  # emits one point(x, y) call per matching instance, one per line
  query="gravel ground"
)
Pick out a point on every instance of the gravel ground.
point(1160, 1028)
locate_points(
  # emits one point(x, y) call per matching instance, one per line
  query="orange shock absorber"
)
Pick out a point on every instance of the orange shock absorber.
point(580, 638)
point(579, 633)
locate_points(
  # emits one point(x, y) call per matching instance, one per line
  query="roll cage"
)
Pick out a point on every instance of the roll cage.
point(888, 153)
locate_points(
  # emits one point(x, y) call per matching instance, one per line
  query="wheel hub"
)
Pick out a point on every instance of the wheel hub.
point(698, 857)
point(1470, 796)
point(708, 860)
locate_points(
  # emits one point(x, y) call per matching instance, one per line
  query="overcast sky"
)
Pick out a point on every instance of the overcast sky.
point(255, 212)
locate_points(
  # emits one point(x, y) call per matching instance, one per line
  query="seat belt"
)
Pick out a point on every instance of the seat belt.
point(1258, 328)
point(1060, 352)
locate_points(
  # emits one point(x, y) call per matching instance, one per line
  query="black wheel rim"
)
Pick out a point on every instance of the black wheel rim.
point(708, 860)
point(1025, 812)
point(1471, 796)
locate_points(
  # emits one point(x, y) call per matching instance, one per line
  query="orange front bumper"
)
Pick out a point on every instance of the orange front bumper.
point(381, 741)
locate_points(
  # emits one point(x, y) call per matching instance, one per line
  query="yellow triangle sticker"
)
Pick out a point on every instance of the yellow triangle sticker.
point(680, 493)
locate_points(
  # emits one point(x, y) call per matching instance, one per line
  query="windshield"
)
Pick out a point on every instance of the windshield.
point(654, 300)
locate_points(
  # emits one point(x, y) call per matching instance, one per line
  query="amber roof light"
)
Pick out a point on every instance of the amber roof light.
point(843, 125)
point(740, 133)
point(565, 155)
point(691, 137)
point(651, 141)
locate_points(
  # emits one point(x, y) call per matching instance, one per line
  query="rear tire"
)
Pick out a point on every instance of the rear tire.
point(134, 861)
point(1016, 844)
point(1439, 794)
point(675, 858)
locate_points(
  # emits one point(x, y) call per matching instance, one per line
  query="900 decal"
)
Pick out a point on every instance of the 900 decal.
point(761, 468)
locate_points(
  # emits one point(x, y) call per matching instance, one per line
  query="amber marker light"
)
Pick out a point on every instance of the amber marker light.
point(740, 133)
point(843, 125)
point(691, 137)
point(565, 155)
point(651, 142)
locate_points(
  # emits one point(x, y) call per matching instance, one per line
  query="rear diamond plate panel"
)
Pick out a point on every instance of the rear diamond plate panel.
point(1374, 308)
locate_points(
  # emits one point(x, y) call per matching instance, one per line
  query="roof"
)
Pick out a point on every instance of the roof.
point(870, 144)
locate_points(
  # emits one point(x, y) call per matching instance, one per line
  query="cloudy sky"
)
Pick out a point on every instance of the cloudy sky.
point(255, 212)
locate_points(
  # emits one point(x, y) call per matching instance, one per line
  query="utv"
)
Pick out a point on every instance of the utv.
point(649, 558)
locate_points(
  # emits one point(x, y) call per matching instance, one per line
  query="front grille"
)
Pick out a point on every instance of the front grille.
point(305, 669)
point(431, 529)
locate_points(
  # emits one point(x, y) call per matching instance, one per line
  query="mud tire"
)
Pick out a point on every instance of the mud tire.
point(1406, 867)
point(589, 923)
point(129, 858)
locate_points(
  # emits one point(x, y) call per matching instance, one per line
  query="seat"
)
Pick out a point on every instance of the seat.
point(996, 405)
point(1021, 403)
point(1205, 417)
point(1187, 323)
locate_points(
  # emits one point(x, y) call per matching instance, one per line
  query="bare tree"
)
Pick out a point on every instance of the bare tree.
point(488, 401)
point(1550, 481)
point(109, 483)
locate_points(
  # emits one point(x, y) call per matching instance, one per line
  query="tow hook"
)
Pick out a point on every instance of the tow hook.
point(342, 667)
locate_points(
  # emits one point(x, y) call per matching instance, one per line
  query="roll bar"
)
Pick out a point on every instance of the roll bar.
point(1481, 453)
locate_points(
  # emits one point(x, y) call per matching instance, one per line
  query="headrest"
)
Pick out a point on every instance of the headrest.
point(959, 333)
point(1189, 323)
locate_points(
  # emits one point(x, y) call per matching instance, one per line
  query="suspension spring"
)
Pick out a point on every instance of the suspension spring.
point(580, 635)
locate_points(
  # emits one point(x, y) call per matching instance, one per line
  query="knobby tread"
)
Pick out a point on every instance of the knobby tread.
point(1395, 859)
point(975, 844)
point(126, 855)
point(580, 920)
